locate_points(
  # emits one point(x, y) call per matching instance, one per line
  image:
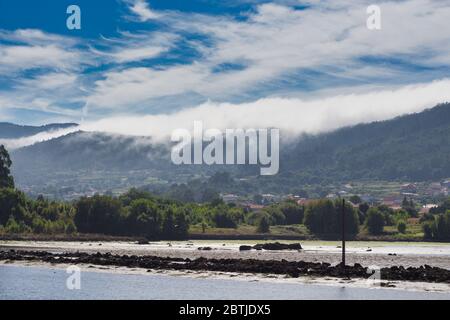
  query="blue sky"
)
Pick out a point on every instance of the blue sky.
point(135, 58)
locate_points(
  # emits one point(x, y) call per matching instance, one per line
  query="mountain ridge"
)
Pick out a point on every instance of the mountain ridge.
point(413, 147)
point(10, 130)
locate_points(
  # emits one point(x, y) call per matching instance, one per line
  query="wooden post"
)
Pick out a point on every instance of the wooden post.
point(343, 232)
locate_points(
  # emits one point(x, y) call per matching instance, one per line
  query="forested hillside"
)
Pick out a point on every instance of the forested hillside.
point(409, 148)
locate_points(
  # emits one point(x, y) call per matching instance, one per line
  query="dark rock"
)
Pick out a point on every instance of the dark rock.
point(278, 246)
point(245, 248)
point(204, 248)
point(291, 268)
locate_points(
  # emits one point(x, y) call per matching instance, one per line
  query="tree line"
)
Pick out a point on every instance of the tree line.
point(141, 213)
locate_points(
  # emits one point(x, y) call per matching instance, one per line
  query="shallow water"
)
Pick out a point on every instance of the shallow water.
point(20, 282)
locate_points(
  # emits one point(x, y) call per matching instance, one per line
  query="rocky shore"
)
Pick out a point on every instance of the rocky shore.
point(281, 267)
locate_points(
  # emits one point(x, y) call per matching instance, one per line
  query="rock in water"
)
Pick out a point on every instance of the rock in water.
point(278, 246)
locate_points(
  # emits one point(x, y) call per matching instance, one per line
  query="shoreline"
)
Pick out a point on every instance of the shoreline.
point(293, 269)
point(382, 254)
point(407, 286)
point(204, 236)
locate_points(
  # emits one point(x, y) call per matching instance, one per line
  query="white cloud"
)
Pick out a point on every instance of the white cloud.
point(276, 42)
point(12, 144)
point(135, 47)
point(53, 80)
point(25, 49)
point(28, 57)
point(293, 116)
point(142, 10)
point(272, 45)
point(35, 36)
point(138, 53)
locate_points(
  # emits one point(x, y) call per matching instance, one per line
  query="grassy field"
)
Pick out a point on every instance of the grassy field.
point(413, 233)
point(245, 232)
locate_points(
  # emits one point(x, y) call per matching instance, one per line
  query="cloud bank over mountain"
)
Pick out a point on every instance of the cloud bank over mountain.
point(293, 116)
point(159, 59)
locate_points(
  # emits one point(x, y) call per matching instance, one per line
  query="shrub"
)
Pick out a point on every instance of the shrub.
point(263, 225)
point(292, 212)
point(274, 215)
point(99, 214)
point(324, 217)
point(427, 228)
point(13, 203)
point(70, 228)
point(223, 219)
point(144, 219)
point(12, 226)
point(401, 227)
point(375, 221)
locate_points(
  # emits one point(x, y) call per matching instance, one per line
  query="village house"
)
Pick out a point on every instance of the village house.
point(408, 188)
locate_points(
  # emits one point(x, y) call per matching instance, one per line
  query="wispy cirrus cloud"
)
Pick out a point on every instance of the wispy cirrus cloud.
point(141, 9)
point(294, 116)
point(276, 50)
point(135, 47)
point(277, 44)
point(26, 49)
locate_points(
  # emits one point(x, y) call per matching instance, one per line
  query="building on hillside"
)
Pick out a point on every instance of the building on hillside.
point(446, 183)
point(304, 201)
point(270, 198)
point(229, 198)
point(368, 198)
point(426, 208)
point(436, 189)
point(354, 205)
point(408, 188)
point(392, 201)
point(251, 207)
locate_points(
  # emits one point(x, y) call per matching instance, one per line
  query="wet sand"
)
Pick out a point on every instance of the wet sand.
point(381, 254)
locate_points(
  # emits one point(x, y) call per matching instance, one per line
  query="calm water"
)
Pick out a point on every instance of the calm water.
point(17, 282)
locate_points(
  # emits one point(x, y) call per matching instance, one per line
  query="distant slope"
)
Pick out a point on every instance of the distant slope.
point(14, 131)
point(90, 151)
point(411, 147)
point(414, 147)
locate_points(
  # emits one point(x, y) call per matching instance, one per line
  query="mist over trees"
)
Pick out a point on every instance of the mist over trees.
point(413, 147)
point(141, 213)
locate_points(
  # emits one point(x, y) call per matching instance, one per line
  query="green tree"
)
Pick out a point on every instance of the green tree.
point(222, 217)
point(275, 215)
point(263, 225)
point(6, 180)
point(375, 221)
point(401, 226)
point(174, 226)
point(144, 219)
point(292, 211)
point(324, 217)
point(16, 227)
point(13, 203)
point(181, 225)
point(427, 228)
point(355, 199)
point(99, 214)
point(441, 227)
